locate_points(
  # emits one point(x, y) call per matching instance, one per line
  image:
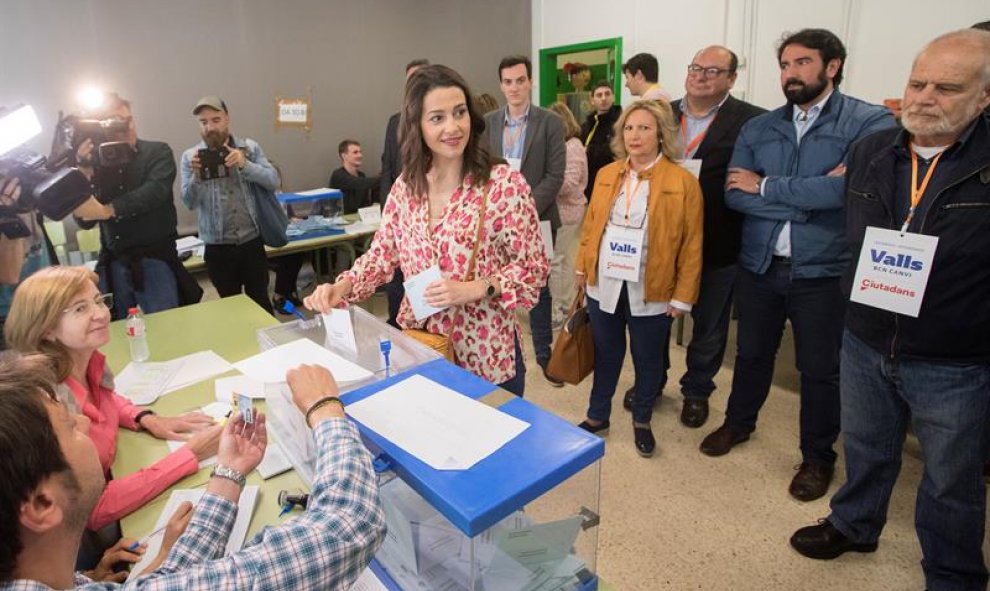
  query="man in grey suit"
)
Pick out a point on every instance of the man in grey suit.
point(531, 139)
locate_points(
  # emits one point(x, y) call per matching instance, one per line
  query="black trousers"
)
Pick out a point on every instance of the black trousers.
point(232, 267)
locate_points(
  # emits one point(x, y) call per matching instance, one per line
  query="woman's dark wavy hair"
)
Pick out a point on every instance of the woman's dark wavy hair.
point(416, 156)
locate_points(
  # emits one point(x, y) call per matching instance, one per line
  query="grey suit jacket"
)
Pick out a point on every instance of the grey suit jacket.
point(543, 158)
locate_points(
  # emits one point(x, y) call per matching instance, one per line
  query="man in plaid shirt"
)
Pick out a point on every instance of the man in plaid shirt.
point(52, 478)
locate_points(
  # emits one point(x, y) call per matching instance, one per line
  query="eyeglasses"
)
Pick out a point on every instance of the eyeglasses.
point(86, 307)
point(711, 72)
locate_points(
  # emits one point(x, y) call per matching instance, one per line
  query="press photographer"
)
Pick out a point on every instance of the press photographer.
point(133, 203)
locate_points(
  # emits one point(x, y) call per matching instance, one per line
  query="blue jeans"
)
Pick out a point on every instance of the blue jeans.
point(647, 338)
point(160, 289)
point(541, 323)
point(815, 308)
point(947, 406)
point(710, 330)
point(517, 383)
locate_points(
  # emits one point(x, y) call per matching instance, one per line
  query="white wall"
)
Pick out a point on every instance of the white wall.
point(881, 36)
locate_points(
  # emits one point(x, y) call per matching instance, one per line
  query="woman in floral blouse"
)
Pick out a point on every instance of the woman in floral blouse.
point(431, 219)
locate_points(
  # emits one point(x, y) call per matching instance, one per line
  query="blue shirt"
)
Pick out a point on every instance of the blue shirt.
point(514, 135)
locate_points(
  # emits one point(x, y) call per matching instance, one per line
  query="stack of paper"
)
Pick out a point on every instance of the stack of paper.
point(462, 431)
point(143, 383)
point(190, 244)
point(245, 507)
point(271, 366)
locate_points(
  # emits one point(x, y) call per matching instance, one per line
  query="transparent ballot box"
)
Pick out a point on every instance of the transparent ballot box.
point(523, 517)
point(313, 213)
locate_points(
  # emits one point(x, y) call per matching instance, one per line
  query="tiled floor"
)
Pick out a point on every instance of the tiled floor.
point(682, 520)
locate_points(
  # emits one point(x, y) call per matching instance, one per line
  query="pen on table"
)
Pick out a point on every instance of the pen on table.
point(145, 539)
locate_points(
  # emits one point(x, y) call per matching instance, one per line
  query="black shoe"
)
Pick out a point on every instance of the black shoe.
point(812, 480)
point(553, 381)
point(721, 440)
point(600, 430)
point(824, 542)
point(694, 413)
point(645, 443)
point(627, 400)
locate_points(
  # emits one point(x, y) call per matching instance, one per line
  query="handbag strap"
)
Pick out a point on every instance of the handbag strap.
point(469, 276)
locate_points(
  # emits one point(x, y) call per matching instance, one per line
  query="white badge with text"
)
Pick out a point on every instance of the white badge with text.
point(623, 252)
point(546, 231)
point(692, 165)
point(893, 269)
point(371, 215)
point(515, 163)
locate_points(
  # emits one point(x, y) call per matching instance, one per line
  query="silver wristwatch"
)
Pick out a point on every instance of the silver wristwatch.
point(230, 474)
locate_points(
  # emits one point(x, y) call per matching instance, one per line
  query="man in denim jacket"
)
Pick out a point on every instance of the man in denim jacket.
point(786, 177)
point(226, 201)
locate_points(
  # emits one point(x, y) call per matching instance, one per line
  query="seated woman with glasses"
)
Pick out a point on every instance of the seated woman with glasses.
point(639, 260)
point(60, 312)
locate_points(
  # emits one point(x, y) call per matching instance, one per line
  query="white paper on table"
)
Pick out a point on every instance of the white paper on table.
point(546, 230)
point(359, 228)
point(340, 329)
point(197, 367)
point(371, 215)
point(368, 581)
point(224, 388)
point(462, 431)
point(274, 462)
point(415, 287)
point(188, 243)
point(270, 366)
point(245, 507)
point(142, 383)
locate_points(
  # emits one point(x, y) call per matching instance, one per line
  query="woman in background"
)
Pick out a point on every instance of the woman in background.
point(571, 204)
point(640, 258)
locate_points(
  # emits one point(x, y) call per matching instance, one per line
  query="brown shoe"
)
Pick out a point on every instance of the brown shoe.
point(812, 480)
point(721, 440)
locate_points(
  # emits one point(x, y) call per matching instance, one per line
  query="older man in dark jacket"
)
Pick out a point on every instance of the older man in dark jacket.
point(929, 366)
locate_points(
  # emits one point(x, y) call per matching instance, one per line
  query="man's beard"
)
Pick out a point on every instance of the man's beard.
point(940, 124)
point(83, 498)
point(805, 93)
point(215, 139)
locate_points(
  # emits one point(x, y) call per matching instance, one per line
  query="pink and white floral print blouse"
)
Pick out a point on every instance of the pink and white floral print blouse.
point(512, 253)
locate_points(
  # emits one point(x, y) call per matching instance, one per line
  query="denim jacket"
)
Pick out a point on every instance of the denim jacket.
point(797, 187)
point(257, 179)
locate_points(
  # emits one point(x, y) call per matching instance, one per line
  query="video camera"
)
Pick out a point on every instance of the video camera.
point(52, 189)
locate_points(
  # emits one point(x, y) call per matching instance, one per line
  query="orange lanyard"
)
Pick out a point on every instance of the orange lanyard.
point(697, 139)
point(509, 141)
point(635, 190)
point(918, 192)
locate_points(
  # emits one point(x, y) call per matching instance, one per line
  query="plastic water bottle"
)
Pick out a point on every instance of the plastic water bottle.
point(137, 335)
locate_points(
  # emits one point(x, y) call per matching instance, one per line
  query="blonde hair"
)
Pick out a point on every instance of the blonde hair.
point(37, 308)
point(668, 134)
point(571, 127)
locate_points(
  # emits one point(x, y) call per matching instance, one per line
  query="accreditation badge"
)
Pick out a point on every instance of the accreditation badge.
point(893, 268)
point(692, 165)
point(623, 253)
point(515, 163)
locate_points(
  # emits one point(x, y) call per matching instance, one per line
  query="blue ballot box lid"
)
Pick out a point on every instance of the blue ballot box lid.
point(546, 454)
point(314, 195)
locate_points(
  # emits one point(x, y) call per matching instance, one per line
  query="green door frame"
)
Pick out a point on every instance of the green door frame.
point(548, 66)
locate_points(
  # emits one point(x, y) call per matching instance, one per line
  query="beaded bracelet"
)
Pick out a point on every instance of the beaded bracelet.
point(319, 404)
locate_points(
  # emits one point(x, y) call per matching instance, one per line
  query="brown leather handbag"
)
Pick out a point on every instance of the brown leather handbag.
point(573, 356)
point(440, 342)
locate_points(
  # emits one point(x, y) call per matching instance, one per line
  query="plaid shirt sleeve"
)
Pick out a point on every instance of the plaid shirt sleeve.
point(327, 547)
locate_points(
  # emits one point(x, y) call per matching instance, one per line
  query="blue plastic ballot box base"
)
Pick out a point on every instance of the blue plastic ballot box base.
point(547, 453)
point(383, 576)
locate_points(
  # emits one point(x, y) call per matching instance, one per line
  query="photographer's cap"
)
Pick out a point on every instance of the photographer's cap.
point(213, 102)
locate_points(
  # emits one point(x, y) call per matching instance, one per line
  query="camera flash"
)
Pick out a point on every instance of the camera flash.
point(90, 98)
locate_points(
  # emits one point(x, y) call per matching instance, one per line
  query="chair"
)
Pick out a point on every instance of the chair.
point(89, 242)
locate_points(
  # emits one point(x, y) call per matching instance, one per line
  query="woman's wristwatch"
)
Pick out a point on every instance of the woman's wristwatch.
point(489, 287)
